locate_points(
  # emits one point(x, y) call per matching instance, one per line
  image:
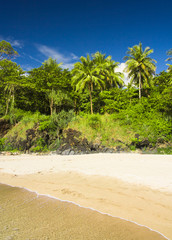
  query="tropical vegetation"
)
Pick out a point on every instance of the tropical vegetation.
point(91, 98)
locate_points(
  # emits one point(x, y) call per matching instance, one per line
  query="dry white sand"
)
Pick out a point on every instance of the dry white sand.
point(154, 171)
point(131, 186)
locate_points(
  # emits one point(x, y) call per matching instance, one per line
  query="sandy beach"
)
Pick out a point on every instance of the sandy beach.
point(134, 187)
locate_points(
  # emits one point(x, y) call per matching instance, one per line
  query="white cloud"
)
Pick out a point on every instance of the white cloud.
point(16, 43)
point(68, 65)
point(35, 59)
point(50, 52)
point(12, 41)
point(67, 61)
point(74, 57)
point(121, 68)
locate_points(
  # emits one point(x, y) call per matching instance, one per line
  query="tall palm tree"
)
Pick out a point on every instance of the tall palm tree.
point(114, 78)
point(169, 53)
point(108, 67)
point(86, 74)
point(140, 66)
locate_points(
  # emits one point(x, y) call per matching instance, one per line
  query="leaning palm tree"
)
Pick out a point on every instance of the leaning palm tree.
point(85, 75)
point(140, 66)
point(108, 70)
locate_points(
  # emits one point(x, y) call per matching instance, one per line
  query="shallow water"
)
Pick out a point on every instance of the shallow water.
point(24, 215)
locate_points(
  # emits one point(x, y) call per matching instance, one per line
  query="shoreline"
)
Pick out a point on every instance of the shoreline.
point(117, 196)
point(89, 208)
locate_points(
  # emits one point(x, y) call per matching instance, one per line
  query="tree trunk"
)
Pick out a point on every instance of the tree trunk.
point(51, 102)
point(75, 106)
point(90, 87)
point(140, 85)
point(12, 95)
point(51, 106)
point(7, 102)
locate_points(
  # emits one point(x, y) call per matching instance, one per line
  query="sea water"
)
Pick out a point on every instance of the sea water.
point(25, 215)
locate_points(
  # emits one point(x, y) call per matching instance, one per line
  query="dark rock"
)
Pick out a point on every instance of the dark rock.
point(66, 152)
point(4, 127)
point(72, 152)
point(137, 135)
point(73, 143)
point(110, 150)
point(58, 151)
point(118, 148)
point(160, 140)
point(107, 150)
point(118, 141)
point(141, 143)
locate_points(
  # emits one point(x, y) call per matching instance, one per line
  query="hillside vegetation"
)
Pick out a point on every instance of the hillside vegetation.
point(86, 109)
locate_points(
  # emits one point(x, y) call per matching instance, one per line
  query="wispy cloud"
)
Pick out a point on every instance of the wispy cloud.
point(74, 57)
point(35, 59)
point(50, 52)
point(66, 60)
point(17, 43)
point(14, 42)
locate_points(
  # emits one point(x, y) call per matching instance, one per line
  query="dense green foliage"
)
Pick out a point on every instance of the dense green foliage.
point(6, 51)
point(48, 97)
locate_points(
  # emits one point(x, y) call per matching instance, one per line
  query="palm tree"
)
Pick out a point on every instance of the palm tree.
point(169, 53)
point(140, 66)
point(108, 66)
point(169, 69)
point(86, 74)
point(114, 78)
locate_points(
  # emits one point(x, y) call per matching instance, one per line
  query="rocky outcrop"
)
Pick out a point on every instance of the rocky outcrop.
point(73, 143)
point(4, 127)
point(140, 143)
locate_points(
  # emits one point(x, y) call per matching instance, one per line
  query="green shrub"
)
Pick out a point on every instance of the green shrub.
point(2, 144)
point(61, 120)
point(39, 149)
point(45, 125)
point(132, 148)
point(94, 120)
point(167, 150)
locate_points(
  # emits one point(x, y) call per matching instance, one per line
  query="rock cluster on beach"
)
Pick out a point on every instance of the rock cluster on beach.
point(73, 143)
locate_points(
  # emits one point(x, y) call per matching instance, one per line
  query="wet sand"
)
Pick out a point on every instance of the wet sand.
point(25, 215)
point(120, 185)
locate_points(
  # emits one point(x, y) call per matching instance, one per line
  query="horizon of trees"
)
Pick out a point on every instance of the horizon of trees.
point(92, 85)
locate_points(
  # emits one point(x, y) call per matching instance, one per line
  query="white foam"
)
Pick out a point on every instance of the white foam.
point(90, 208)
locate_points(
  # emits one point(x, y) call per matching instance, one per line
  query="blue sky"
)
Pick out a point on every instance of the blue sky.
point(67, 30)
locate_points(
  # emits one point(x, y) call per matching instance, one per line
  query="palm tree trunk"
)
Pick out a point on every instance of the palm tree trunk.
point(140, 85)
point(90, 87)
point(51, 103)
point(51, 106)
point(75, 106)
point(7, 102)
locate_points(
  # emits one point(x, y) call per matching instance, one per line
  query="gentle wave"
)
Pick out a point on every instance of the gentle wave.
point(89, 208)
